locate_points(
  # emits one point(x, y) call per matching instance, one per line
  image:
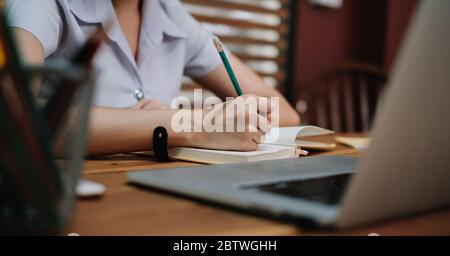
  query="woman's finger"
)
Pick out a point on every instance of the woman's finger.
point(263, 124)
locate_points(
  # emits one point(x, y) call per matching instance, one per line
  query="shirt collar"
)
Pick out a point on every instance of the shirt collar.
point(97, 12)
point(155, 22)
point(88, 10)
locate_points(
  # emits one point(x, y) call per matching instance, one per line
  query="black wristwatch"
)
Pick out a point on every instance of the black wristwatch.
point(160, 140)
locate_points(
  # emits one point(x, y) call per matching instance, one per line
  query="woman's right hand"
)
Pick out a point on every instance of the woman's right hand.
point(239, 130)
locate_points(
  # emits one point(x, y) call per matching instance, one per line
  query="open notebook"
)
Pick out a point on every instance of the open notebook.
point(279, 143)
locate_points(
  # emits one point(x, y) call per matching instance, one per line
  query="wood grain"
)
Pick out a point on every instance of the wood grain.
point(124, 163)
point(131, 210)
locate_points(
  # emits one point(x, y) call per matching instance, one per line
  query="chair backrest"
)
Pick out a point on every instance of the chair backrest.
point(257, 31)
point(345, 98)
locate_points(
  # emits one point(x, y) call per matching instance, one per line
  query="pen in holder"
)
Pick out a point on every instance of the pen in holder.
point(39, 167)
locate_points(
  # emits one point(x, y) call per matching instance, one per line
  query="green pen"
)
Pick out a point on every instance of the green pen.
point(227, 65)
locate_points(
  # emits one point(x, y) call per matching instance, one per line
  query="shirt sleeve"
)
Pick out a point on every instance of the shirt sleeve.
point(201, 54)
point(39, 17)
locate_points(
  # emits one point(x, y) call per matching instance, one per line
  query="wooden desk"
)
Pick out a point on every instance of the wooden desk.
point(128, 210)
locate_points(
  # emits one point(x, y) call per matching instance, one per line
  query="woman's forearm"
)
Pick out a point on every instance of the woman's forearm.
point(114, 131)
point(126, 130)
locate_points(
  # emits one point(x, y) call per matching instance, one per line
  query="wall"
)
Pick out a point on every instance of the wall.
point(399, 16)
point(362, 30)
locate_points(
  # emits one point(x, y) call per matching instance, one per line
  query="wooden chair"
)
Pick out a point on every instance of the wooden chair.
point(255, 31)
point(345, 98)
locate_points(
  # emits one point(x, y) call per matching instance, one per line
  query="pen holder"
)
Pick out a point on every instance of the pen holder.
point(39, 166)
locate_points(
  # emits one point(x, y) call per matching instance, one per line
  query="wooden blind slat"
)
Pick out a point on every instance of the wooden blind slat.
point(188, 86)
point(241, 38)
point(280, 44)
point(280, 60)
point(282, 13)
point(282, 28)
point(280, 75)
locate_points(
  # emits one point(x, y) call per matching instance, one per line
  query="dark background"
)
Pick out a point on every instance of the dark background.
point(370, 31)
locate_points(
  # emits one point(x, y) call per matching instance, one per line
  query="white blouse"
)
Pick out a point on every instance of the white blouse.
point(172, 44)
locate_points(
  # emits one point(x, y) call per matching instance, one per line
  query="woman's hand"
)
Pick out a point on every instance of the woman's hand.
point(232, 125)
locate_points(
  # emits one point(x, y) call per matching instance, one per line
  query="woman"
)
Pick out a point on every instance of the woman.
point(151, 44)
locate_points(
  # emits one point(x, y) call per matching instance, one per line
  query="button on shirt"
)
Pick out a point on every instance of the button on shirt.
point(172, 45)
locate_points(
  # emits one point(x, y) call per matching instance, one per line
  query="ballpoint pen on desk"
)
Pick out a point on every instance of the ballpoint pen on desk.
point(227, 65)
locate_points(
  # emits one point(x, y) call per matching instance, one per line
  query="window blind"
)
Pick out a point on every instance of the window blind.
point(254, 30)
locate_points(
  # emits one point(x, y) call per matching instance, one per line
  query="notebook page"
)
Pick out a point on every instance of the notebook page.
point(287, 136)
point(263, 149)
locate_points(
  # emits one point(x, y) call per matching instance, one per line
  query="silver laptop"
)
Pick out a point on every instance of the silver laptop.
point(405, 170)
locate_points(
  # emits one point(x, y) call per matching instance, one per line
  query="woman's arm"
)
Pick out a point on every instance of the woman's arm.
point(126, 130)
point(218, 82)
point(30, 47)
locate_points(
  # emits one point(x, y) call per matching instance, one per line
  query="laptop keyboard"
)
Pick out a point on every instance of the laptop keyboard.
point(327, 190)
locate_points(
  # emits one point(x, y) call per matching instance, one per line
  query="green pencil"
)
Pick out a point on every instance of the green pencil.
point(227, 65)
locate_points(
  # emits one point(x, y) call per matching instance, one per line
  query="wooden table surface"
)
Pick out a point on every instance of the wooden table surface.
point(129, 210)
